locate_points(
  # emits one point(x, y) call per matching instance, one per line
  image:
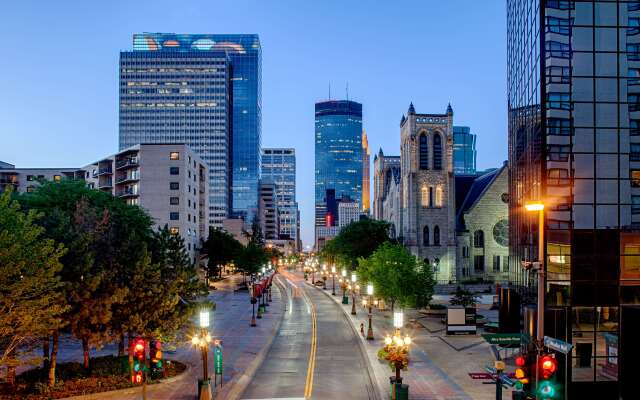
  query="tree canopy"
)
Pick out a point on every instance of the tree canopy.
point(357, 240)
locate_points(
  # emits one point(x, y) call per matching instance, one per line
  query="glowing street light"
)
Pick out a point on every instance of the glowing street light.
point(370, 293)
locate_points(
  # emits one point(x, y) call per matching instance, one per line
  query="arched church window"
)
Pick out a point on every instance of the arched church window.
point(424, 196)
point(425, 236)
point(478, 239)
point(438, 196)
point(437, 152)
point(424, 152)
point(436, 235)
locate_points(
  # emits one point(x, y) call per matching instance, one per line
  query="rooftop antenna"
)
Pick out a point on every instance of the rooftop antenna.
point(347, 91)
point(329, 90)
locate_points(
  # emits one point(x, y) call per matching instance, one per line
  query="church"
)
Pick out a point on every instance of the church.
point(457, 223)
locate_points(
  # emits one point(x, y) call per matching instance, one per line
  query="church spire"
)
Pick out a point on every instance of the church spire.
point(412, 110)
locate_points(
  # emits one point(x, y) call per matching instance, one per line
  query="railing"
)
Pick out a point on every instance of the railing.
point(104, 171)
point(127, 192)
point(126, 162)
point(125, 178)
point(105, 183)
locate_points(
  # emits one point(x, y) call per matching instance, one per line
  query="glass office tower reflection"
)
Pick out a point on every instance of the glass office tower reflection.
point(464, 151)
point(574, 143)
point(171, 51)
point(338, 153)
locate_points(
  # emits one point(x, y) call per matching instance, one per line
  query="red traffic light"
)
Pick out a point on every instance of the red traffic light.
point(520, 361)
point(548, 366)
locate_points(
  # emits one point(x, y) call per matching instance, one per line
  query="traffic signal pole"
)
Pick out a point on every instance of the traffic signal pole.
point(541, 290)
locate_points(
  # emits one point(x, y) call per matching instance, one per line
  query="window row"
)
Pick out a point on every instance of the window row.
point(426, 196)
point(426, 240)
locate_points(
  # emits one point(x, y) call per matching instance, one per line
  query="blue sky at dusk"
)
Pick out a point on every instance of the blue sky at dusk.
point(59, 71)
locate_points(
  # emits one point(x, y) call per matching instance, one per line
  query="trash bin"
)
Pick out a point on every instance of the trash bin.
point(583, 352)
point(402, 391)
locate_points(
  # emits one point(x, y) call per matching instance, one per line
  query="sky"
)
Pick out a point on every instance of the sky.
point(59, 71)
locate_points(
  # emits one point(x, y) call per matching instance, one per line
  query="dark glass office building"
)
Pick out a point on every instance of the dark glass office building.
point(464, 151)
point(574, 144)
point(338, 153)
point(183, 100)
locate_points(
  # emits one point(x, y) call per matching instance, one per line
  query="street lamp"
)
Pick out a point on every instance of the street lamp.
point(538, 206)
point(370, 294)
point(202, 340)
point(333, 279)
point(353, 293)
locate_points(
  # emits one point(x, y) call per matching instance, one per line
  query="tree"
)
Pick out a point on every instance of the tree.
point(357, 240)
point(462, 297)
point(221, 248)
point(398, 276)
point(30, 296)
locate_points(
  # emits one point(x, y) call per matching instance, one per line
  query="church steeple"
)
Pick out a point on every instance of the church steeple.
point(449, 109)
point(412, 110)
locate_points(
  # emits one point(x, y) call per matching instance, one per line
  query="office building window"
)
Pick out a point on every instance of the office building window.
point(425, 236)
point(635, 204)
point(478, 263)
point(57, 178)
point(559, 126)
point(29, 178)
point(174, 170)
point(478, 239)
point(174, 216)
point(559, 25)
point(496, 263)
point(174, 201)
point(437, 152)
point(174, 230)
point(557, 49)
point(634, 154)
point(424, 152)
point(174, 155)
point(174, 185)
point(558, 101)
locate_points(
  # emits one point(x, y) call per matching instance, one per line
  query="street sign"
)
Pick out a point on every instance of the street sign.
point(217, 359)
point(502, 338)
point(557, 345)
point(480, 375)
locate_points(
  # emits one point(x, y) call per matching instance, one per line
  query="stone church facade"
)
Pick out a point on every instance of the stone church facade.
point(427, 191)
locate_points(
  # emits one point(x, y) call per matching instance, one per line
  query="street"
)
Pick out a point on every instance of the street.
point(316, 353)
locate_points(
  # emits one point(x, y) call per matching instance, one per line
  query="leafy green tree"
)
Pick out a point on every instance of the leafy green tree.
point(398, 276)
point(221, 248)
point(357, 240)
point(31, 302)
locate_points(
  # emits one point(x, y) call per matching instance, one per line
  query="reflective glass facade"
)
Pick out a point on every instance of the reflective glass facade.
point(464, 150)
point(181, 97)
point(338, 153)
point(574, 143)
point(279, 167)
point(245, 57)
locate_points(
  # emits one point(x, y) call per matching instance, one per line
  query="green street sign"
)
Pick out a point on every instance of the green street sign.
point(502, 338)
point(217, 359)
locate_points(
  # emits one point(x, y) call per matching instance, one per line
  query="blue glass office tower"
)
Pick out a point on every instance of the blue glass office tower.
point(338, 154)
point(163, 54)
point(464, 151)
point(279, 167)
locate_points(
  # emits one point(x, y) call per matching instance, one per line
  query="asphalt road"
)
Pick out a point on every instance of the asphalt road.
point(315, 355)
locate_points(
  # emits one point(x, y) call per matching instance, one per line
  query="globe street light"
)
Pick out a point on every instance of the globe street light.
point(370, 294)
point(202, 340)
point(333, 279)
point(353, 293)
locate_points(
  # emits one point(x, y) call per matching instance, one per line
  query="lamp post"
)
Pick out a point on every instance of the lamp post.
point(353, 293)
point(540, 269)
point(345, 299)
point(253, 305)
point(202, 340)
point(370, 294)
point(333, 279)
point(398, 349)
point(324, 276)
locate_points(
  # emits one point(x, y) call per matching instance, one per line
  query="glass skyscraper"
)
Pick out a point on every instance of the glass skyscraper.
point(178, 95)
point(464, 151)
point(574, 144)
point(279, 167)
point(338, 154)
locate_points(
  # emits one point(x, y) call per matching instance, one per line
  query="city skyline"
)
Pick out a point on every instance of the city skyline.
point(289, 92)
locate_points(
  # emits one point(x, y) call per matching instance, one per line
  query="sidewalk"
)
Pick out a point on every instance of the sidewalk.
point(244, 348)
point(439, 365)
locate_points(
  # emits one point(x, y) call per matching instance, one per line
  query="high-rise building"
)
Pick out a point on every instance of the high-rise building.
point(338, 154)
point(203, 90)
point(348, 212)
point(464, 151)
point(279, 167)
point(574, 144)
point(268, 210)
point(366, 177)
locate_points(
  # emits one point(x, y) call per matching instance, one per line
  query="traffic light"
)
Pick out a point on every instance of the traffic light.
point(155, 348)
point(547, 367)
point(522, 373)
point(137, 375)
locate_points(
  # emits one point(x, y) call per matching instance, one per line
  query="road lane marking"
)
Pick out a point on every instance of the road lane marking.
point(308, 389)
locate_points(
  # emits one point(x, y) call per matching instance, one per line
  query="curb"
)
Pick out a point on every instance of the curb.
point(240, 385)
point(372, 376)
point(131, 390)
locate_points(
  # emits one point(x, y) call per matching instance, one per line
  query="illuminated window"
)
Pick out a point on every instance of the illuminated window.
point(438, 196)
point(174, 155)
point(174, 230)
point(57, 178)
point(635, 178)
point(424, 196)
